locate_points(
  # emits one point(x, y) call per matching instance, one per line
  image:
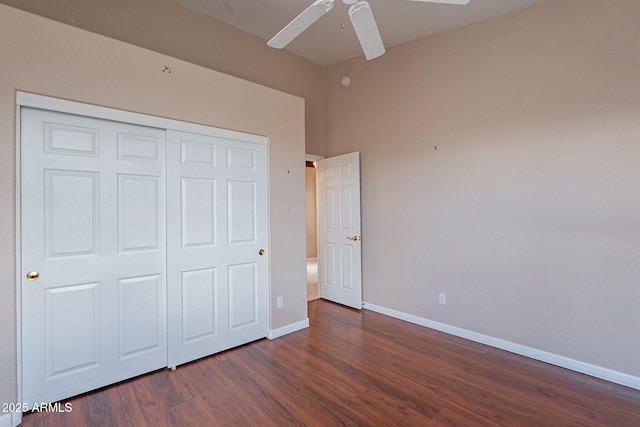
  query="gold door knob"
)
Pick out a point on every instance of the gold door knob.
point(261, 252)
point(354, 238)
point(33, 275)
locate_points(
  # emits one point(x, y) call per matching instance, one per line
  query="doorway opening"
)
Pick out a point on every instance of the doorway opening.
point(312, 228)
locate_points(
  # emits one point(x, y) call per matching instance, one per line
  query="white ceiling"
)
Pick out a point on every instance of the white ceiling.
point(399, 21)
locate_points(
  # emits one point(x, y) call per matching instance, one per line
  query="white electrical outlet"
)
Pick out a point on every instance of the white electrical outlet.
point(442, 298)
point(280, 302)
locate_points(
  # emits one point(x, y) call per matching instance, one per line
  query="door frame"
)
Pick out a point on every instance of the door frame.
point(340, 297)
point(26, 99)
point(314, 158)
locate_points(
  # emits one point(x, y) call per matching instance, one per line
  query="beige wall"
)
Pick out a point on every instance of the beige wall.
point(528, 213)
point(170, 28)
point(49, 58)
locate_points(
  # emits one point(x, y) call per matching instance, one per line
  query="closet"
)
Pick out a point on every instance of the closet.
point(141, 246)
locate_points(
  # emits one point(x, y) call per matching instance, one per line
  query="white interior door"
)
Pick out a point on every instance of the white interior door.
point(339, 239)
point(217, 276)
point(93, 203)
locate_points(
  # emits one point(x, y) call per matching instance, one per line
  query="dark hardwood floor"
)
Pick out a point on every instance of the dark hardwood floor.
point(357, 369)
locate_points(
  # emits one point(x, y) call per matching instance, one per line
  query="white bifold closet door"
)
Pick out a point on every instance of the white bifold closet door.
point(93, 215)
point(142, 248)
point(216, 233)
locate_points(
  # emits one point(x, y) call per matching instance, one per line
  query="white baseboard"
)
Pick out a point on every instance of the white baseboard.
point(275, 333)
point(554, 359)
point(10, 419)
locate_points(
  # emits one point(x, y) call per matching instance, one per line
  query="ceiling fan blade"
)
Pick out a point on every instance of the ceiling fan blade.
point(460, 2)
point(300, 23)
point(366, 29)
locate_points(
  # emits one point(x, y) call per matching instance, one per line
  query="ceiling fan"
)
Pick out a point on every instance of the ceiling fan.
point(361, 17)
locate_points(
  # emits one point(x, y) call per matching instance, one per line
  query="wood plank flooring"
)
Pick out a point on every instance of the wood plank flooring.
point(356, 368)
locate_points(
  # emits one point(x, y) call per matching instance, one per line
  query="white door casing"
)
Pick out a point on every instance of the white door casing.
point(339, 232)
point(217, 289)
point(92, 203)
